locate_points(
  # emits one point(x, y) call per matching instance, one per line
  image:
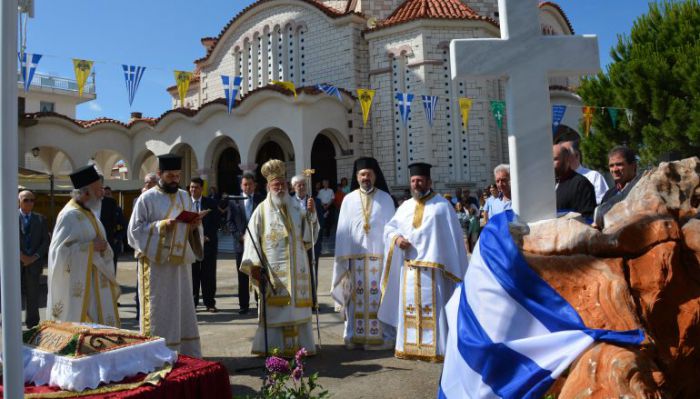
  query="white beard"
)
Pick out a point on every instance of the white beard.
point(95, 206)
point(280, 199)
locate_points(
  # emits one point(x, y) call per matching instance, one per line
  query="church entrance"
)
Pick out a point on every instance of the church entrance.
point(228, 172)
point(268, 151)
point(323, 161)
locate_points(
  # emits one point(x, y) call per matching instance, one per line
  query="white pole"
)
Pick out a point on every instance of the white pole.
point(13, 379)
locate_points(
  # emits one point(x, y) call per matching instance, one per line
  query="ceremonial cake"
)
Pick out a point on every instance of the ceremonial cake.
point(79, 356)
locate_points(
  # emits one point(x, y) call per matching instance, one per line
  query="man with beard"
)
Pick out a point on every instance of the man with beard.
point(81, 281)
point(359, 257)
point(167, 246)
point(418, 281)
point(283, 231)
point(574, 192)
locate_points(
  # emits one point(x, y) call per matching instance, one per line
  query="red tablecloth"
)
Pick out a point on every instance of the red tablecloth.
point(190, 378)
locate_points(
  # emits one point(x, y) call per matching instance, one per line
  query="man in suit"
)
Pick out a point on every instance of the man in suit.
point(110, 218)
point(204, 271)
point(34, 247)
point(240, 212)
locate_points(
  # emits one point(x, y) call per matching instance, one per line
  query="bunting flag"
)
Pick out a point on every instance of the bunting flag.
point(82, 70)
point(287, 85)
point(232, 85)
point(366, 97)
point(558, 112)
point(331, 91)
point(182, 79)
point(587, 119)
point(498, 108)
point(630, 116)
point(465, 105)
point(429, 104)
point(29, 68)
point(613, 116)
point(404, 103)
point(511, 335)
point(132, 77)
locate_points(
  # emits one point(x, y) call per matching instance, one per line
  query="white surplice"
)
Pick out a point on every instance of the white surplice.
point(165, 256)
point(418, 282)
point(81, 281)
point(284, 236)
point(359, 261)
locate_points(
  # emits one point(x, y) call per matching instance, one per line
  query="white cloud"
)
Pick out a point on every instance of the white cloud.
point(95, 106)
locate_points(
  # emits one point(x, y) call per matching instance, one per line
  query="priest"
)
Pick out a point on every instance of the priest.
point(359, 257)
point(283, 231)
point(81, 281)
point(167, 245)
point(425, 258)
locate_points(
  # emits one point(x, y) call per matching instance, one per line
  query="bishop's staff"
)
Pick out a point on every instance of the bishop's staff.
point(314, 267)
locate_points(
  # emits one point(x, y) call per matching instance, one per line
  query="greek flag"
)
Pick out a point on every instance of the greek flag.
point(132, 77)
point(558, 112)
point(28, 69)
point(232, 85)
point(330, 90)
point(429, 104)
point(511, 334)
point(404, 103)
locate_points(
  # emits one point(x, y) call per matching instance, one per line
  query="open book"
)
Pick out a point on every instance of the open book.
point(188, 217)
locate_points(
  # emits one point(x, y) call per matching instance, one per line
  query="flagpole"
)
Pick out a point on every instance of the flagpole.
point(13, 376)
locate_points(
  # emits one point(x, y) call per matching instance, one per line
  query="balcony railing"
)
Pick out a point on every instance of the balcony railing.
point(52, 82)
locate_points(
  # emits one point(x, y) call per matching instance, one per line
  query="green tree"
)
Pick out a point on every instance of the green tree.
point(656, 73)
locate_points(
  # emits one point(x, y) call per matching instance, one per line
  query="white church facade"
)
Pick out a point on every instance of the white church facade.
point(390, 46)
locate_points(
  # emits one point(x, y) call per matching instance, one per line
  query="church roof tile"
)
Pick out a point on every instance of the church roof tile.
point(412, 10)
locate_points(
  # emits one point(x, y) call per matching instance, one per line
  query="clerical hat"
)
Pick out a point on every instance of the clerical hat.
point(368, 163)
point(84, 176)
point(274, 169)
point(420, 169)
point(169, 162)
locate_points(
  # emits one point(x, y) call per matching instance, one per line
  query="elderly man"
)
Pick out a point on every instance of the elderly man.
point(418, 281)
point(596, 179)
point(283, 231)
point(502, 201)
point(82, 285)
point(167, 244)
point(574, 192)
point(622, 163)
point(33, 249)
point(301, 196)
point(359, 257)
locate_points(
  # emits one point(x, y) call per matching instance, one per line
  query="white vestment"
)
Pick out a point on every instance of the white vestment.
point(359, 261)
point(284, 237)
point(82, 285)
point(418, 282)
point(165, 276)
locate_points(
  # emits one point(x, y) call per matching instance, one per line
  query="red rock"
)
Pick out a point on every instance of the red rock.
point(595, 287)
point(608, 371)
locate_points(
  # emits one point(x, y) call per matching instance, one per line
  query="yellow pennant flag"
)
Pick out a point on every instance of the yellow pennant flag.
point(287, 85)
point(183, 79)
point(465, 105)
point(366, 97)
point(82, 70)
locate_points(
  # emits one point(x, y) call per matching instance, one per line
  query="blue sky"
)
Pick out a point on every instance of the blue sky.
point(164, 36)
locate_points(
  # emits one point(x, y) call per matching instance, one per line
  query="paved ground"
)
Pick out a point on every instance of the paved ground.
point(226, 338)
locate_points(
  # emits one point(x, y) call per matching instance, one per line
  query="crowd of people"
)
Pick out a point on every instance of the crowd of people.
point(396, 260)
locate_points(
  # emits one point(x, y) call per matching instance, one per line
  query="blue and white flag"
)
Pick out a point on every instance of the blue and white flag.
point(429, 104)
point(404, 102)
point(132, 77)
point(232, 85)
point(330, 90)
point(510, 333)
point(28, 68)
point(558, 112)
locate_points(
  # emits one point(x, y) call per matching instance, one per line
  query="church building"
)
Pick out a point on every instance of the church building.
point(391, 46)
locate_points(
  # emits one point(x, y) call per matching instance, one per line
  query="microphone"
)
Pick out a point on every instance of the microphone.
point(237, 197)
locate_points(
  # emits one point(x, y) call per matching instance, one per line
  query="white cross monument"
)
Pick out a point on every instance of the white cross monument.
point(527, 58)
